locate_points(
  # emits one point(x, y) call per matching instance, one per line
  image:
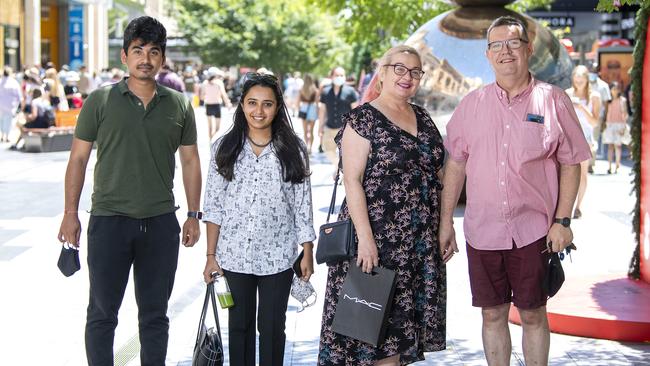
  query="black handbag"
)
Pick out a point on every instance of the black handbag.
point(68, 262)
point(335, 240)
point(208, 349)
point(364, 304)
point(554, 277)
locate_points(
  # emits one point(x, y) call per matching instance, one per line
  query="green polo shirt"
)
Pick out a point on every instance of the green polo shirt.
point(134, 174)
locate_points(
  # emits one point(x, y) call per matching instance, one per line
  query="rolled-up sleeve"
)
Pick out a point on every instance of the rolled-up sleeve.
point(215, 191)
point(455, 141)
point(573, 147)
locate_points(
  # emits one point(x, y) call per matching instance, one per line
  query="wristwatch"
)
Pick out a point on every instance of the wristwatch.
point(564, 221)
point(195, 214)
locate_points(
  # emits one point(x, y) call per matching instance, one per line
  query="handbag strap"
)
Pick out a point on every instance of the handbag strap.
point(336, 184)
point(209, 295)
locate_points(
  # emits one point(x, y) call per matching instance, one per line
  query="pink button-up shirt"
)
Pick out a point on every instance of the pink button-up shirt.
point(513, 151)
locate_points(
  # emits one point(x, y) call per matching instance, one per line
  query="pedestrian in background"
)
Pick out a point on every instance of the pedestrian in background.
point(54, 90)
point(167, 77)
point(86, 82)
point(138, 125)
point(258, 210)
point(392, 157)
point(308, 109)
point(616, 126)
point(10, 97)
point(519, 143)
point(214, 96)
point(586, 103)
point(336, 100)
point(601, 87)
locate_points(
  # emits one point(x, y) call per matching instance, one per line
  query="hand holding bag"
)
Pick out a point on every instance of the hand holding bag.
point(68, 262)
point(208, 349)
point(364, 304)
point(335, 240)
point(554, 277)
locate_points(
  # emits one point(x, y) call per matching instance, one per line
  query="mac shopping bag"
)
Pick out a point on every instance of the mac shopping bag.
point(364, 304)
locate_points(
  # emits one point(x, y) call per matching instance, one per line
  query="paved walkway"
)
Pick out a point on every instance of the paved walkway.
point(41, 306)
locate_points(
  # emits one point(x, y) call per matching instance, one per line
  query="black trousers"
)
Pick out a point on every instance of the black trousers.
point(114, 244)
point(271, 317)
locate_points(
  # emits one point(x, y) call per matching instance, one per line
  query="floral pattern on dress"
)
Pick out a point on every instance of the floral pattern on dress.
point(403, 198)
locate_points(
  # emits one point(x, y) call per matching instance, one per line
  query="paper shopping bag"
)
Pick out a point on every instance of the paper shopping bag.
point(364, 304)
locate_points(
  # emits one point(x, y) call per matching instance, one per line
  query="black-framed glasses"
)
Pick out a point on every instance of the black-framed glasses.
point(401, 70)
point(512, 44)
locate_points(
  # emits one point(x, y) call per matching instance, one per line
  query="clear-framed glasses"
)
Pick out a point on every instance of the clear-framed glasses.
point(401, 70)
point(512, 44)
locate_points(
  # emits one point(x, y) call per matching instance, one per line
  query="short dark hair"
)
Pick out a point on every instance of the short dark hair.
point(508, 20)
point(146, 29)
point(36, 93)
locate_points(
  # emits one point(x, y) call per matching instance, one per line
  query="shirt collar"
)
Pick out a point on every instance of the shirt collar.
point(161, 91)
point(503, 95)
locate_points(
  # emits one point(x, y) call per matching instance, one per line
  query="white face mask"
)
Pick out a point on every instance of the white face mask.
point(303, 292)
point(339, 80)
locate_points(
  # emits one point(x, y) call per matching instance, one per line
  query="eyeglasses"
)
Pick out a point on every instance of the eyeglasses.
point(512, 44)
point(401, 70)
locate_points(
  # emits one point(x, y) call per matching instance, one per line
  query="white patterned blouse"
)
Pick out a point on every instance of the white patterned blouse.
point(262, 217)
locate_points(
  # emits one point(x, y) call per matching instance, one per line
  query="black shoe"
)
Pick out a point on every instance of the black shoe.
point(590, 170)
point(577, 214)
point(13, 148)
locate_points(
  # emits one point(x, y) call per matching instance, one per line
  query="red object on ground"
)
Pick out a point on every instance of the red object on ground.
point(613, 42)
point(605, 306)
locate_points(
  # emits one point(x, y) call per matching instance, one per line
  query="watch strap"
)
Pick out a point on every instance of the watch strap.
point(195, 214)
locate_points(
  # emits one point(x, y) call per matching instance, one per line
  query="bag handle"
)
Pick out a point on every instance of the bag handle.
point(209, 295)
point(336, 184)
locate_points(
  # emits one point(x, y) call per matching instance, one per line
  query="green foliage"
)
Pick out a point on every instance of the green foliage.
point(613, 5)
point(523, 6)
point(635, 130)
point(282, 35)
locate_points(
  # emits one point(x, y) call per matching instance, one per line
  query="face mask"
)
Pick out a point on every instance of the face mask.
point(303, 291)
point(593, 77)
point(339, 80)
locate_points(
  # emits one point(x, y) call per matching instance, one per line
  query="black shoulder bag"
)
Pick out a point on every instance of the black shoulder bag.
point(335, 240)
point(208, 349)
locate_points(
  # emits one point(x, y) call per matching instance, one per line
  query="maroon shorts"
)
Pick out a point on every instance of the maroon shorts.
point(503, 276)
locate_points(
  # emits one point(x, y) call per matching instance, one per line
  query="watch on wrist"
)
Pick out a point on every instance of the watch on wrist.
point(564, 221)
point(195, 214)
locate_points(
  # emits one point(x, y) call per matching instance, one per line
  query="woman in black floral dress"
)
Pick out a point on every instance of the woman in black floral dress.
point(392, 156)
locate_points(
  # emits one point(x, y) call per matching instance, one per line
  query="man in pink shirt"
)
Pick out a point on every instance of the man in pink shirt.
point(519, 143)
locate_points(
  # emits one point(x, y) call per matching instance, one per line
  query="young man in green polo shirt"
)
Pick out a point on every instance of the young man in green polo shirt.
point(137, 126)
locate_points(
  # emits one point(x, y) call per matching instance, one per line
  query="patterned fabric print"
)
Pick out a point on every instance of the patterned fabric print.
point(262, 217)
point(403, 193)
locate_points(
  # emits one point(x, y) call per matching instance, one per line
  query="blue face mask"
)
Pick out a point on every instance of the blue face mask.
point(339, 80)
point(593, 77)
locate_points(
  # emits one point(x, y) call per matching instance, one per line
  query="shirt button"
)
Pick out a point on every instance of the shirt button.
point(139, 103)
point(504, 202)
point(505, 145)
point(507, 126)
point(503, 183)
point(509, 107)
point(503, 163)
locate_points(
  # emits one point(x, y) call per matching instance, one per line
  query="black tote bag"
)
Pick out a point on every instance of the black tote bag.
point(364, 304)
point(208, 349)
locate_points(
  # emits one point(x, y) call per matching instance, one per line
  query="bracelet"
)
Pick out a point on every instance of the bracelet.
point(211, 254)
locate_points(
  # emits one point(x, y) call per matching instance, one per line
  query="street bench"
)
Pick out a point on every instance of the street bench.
point(58, 138)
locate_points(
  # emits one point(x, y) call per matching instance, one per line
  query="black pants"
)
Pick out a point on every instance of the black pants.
point(271, 317)
point(114, 244)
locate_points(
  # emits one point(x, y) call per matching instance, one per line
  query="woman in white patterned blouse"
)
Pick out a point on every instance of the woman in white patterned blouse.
point(258, 210)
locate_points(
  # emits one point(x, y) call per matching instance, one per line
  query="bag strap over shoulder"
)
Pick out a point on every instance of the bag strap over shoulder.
point(336, 184)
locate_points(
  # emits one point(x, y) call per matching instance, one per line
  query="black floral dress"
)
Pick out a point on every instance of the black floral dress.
point(403, 197)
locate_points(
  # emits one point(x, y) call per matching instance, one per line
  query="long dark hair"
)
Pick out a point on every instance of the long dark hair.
point(288, 147)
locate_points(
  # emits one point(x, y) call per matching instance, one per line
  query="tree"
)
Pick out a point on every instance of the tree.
point(282, 35)
point(375, 25)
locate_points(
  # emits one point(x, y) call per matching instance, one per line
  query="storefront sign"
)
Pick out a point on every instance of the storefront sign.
point(558, 21)
point(76, 20)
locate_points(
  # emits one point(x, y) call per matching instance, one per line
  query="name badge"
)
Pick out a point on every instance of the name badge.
point(536, 118)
